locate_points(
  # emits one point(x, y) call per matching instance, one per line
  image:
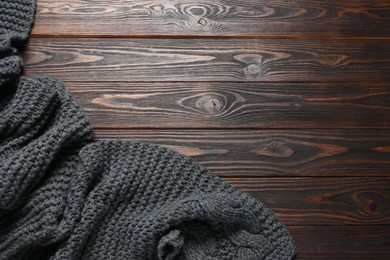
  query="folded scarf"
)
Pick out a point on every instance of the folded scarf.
point(65, 196)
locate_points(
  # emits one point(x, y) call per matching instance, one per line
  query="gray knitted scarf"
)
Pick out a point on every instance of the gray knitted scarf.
point(65, 196)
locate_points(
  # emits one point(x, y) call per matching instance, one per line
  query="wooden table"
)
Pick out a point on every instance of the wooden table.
point(286, 100)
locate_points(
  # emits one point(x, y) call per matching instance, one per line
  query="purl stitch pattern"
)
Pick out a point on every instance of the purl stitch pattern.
point(65, 196)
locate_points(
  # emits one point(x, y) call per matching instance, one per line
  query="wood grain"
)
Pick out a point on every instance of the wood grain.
point(222, 17)
point(348, 242)
point(274, 152)
point(161, 60)
point(234, 104)
point(286, 100)
point(322, 201)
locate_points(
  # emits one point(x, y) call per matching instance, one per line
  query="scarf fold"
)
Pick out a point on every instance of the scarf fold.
point(65, 196)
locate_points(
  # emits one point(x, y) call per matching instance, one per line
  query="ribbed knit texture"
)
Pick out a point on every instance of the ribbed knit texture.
point(64, 196)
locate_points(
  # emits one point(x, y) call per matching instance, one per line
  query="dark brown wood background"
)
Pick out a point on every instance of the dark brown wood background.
point(286, 100)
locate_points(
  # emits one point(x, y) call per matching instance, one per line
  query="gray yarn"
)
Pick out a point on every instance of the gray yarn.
point(64, 196)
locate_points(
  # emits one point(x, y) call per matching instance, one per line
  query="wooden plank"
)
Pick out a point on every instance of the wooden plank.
point(208, 60)
point(322, 201)
point(222, 17)
point(344, 242)
point(274, 152)
point(234, 104)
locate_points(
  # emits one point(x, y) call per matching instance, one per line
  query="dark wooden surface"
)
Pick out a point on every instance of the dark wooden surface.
point(286, 100)
point(311, 201)
point(223, 18)
point(234, 105)
point(268, 153)
point(276, 60)
point(344, 242)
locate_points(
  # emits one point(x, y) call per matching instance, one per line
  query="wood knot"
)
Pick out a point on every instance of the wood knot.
point(202, 22)
point(156, 10)
point(211, 103)
point(253, 64)
point(370, 203)
point(275, 148)
point(253, 69)
point(198, 10)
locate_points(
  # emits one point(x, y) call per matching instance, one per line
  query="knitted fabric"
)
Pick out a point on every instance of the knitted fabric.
point(64, 196)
